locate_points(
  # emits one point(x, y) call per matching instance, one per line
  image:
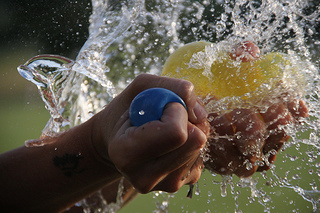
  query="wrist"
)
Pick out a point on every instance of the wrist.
point(98, 141)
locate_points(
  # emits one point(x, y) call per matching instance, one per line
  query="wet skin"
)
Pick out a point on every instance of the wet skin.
point(244, 141)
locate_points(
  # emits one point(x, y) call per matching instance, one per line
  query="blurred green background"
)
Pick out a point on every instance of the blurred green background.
point(29, 28)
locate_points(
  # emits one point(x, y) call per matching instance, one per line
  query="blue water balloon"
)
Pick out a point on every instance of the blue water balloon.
point(149, 105)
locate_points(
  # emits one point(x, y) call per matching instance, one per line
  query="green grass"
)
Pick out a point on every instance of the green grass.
point(20, 121)
point(282, 199)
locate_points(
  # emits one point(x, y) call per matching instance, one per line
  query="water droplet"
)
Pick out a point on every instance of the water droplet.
point(249, 165)
point(294, 158)
point(296, 177)
point(266, 199)
point(197, 189)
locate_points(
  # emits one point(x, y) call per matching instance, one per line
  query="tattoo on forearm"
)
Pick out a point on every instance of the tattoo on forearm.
point(69, 164)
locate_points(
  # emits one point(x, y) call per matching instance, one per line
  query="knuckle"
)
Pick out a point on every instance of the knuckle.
point(201, 139)
point(172, 186)
point(177, 134)
point(142, 188)
point(142, 182)
point(194, 180)
point(140, 81)
point(141, 77)
point(187, 89)
point(197, 137)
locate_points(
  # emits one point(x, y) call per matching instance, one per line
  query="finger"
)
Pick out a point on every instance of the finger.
point(273, 144)
point(149, 172)
point(276, 116)
point(194, 172)
point(249, 131)
point(222, 149)
point(226, 159)
point(298, 109)
point(186, 175)
point(221, 125)
point(183, 88)
point(154, 138)
point(190, 150)
point(204, 127)
point(245, 51)
point(171, 171)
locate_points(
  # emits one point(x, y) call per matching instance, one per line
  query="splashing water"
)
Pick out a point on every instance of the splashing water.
point(132, 37)
point(50, 73)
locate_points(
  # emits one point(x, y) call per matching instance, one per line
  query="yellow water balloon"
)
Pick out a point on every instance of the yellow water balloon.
point(240, 72)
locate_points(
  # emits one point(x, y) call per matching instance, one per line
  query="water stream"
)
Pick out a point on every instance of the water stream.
point(136, 36)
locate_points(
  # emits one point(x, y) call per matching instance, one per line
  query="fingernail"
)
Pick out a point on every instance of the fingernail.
point(200, 112)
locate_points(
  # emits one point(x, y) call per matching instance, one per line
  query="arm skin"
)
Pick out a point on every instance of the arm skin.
point(33, 183)
point(160, 155)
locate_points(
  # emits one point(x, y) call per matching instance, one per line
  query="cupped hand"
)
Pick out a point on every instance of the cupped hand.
point(244, 141)
point(159, 155)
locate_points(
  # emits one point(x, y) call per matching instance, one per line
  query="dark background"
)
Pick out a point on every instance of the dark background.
point(49, 26)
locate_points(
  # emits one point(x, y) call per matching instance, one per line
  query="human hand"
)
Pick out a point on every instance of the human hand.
point(159, 155)
point(244, 141)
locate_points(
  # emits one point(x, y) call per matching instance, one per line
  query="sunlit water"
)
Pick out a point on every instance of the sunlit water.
point(132, 37)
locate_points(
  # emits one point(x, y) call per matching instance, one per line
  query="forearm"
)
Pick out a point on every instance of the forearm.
point(53, 177)
point(81, 161)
